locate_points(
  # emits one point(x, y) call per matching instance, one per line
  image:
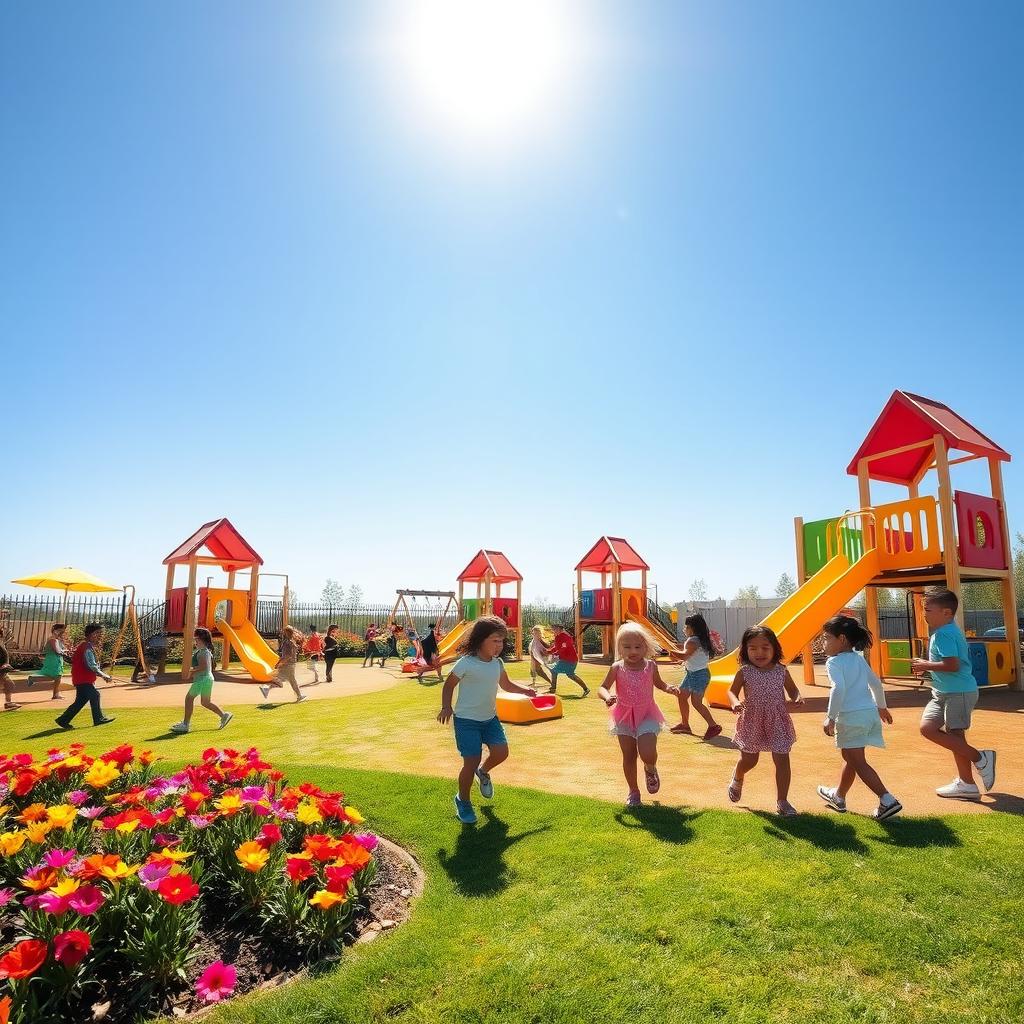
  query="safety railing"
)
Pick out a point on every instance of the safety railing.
point(904, 533)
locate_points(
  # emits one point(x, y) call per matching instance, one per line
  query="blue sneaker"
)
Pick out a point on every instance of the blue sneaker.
point(486, 786)
point(464, 811)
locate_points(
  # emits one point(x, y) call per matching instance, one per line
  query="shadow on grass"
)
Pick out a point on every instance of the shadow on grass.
point(477, 865)
point(666, 824)
point(916, 833)
point(43, 733)
point(429, 682)
point(827, 833)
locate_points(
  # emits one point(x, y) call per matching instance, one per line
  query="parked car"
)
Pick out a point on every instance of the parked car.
point(999, 633)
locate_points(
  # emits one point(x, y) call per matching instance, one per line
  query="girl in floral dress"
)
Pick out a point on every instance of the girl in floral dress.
point(758, 696)
point(636, 719)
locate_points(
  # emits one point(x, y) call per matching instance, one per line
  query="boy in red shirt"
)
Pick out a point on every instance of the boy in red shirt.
point(314, 647)
point(568, 658)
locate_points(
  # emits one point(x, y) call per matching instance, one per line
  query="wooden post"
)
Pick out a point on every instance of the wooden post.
point(576, 612)
point(190, 619)
point(616, 606)
point(870, 532)
point(1007, 585)
point(458, 611)
point(807, 654)
point(519, 628)
point(254, 590)
point(488, 603)
point(950, 559)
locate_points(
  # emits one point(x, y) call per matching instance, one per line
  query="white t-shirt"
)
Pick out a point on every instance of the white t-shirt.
point(477, 698)
point(699, 659)
point(854, 686)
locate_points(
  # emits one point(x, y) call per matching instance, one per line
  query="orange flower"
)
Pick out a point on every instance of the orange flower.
point(169, 856)
point(325, 899)
point(118, 871)
point(252, 856)
point(37, 831)
point(41, 879)
point(93, 866)
point(23, 960)
point(34, 812)
point(5, 1010)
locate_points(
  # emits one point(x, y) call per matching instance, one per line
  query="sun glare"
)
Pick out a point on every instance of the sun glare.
point(488, 71)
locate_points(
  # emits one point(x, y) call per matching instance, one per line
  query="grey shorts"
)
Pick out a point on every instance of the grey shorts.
point(950, 710)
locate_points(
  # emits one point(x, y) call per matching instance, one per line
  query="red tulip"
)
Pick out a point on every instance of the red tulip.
point(70, 948)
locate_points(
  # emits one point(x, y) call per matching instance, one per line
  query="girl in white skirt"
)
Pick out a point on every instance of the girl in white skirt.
point(856, 710)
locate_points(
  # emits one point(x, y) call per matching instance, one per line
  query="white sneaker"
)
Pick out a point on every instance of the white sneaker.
point(301, 697)
point(265, 690)
point(486, 786)
point(179, 727)
point(225, 718)
point(959, 790)
point(986, 769)
point(832, 798)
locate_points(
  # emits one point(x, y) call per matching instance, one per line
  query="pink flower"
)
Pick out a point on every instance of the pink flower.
point(253, 794)
point(32, 902)
point(201, 821)
point(166, 839)
point(54, 904)
point(217, 982)
point(90, 812)
point(87, 900)
point(77, 797)
point(59, 858)
point(70, 948)
point(367, 840)
point(269, 835)
point(151, 874)
point(6, 895)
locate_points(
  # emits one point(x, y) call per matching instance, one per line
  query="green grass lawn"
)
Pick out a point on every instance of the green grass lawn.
point(558, 908)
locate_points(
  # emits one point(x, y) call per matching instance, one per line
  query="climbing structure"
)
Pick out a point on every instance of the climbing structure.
point(490, 570)
point(611, 604)
point(946, 538)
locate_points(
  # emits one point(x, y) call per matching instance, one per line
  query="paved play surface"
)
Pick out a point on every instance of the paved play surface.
point(384, 719)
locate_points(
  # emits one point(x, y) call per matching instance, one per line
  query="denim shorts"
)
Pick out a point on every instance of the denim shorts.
point(566, 668)
point(696, 682)
point(471, 735)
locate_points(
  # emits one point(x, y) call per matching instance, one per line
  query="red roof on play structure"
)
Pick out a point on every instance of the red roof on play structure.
point(908, 419)
point(501, 569)
point(223, 542)
point(609, 552)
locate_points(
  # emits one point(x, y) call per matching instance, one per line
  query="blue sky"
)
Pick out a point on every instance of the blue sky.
point(245, 274)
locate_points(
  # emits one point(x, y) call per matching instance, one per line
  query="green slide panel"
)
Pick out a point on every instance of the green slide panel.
point(816, 543)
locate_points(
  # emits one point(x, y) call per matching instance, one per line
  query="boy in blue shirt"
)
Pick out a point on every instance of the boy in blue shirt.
point(947, 716)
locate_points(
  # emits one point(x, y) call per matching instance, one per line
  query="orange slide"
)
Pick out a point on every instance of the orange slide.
point(798, 620)
point(258, 657)
point(659, 632)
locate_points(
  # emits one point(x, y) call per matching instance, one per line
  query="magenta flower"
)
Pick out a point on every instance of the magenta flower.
point(217, 982)
point(32, 902)
point(77, 797)
point(200, 821)
point(90, 813)
point(59, 858)
point(253, 794)
point(367, 840)
point(87, 900)
point(166, 839)
point(54, 904)
point(151, 874)
point(6, 895)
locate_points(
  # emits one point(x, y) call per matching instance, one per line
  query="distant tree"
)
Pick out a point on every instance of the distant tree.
point(785, 586)
point(355, 595)
point(698, 590)
point(749, 594)
point(332, 593)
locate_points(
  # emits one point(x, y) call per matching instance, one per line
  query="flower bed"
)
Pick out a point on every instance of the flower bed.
point(118, 884)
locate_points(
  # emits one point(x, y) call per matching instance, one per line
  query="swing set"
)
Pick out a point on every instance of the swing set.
point(450, 608)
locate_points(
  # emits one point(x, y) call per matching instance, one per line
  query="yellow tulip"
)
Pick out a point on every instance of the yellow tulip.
point(307, 813)
point(324, 899)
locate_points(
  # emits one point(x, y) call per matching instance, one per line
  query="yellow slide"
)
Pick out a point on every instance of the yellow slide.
point(253, 651)
point(449, 644)
point(798, 620)
point(659, 632)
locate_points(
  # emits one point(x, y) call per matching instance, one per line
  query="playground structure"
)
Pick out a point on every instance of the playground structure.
point(611, 604)
point(191, 606)
point(450, 608)
point(947, 539)
point(130, 629)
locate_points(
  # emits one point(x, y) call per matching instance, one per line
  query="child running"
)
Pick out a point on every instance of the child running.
point(697, 653)
point(856, 710)
point(429, 653)
point(947, 716)
point(314, 647)
point(53, 660)
point(764, 725)
point(478, 674)
point(636, 719)
point(288, 655)
point(202, 682)
point(568, 658)
point(539, 652)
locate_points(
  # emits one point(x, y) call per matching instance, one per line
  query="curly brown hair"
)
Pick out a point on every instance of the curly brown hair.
point(483, 628)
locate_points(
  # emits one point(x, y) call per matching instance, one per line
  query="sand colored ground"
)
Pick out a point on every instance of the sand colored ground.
point(380, 718)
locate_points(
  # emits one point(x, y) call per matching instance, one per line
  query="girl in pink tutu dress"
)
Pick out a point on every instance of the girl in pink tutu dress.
point(758, 696)
point(636, 719)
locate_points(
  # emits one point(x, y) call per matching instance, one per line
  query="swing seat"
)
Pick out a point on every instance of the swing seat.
point(518, 709)
point(413, 665)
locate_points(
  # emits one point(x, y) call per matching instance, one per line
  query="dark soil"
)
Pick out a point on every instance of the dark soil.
point(262, 964)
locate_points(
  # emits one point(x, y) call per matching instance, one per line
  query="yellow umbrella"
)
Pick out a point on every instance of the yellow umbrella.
point(66, 578)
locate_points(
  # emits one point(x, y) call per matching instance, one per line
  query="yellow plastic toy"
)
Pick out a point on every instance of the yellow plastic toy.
point(518, 709)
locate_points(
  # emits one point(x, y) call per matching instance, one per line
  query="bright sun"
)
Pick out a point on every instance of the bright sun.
point(489, 70)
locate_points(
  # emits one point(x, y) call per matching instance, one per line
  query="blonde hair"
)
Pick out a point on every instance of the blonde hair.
point(634, 630)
